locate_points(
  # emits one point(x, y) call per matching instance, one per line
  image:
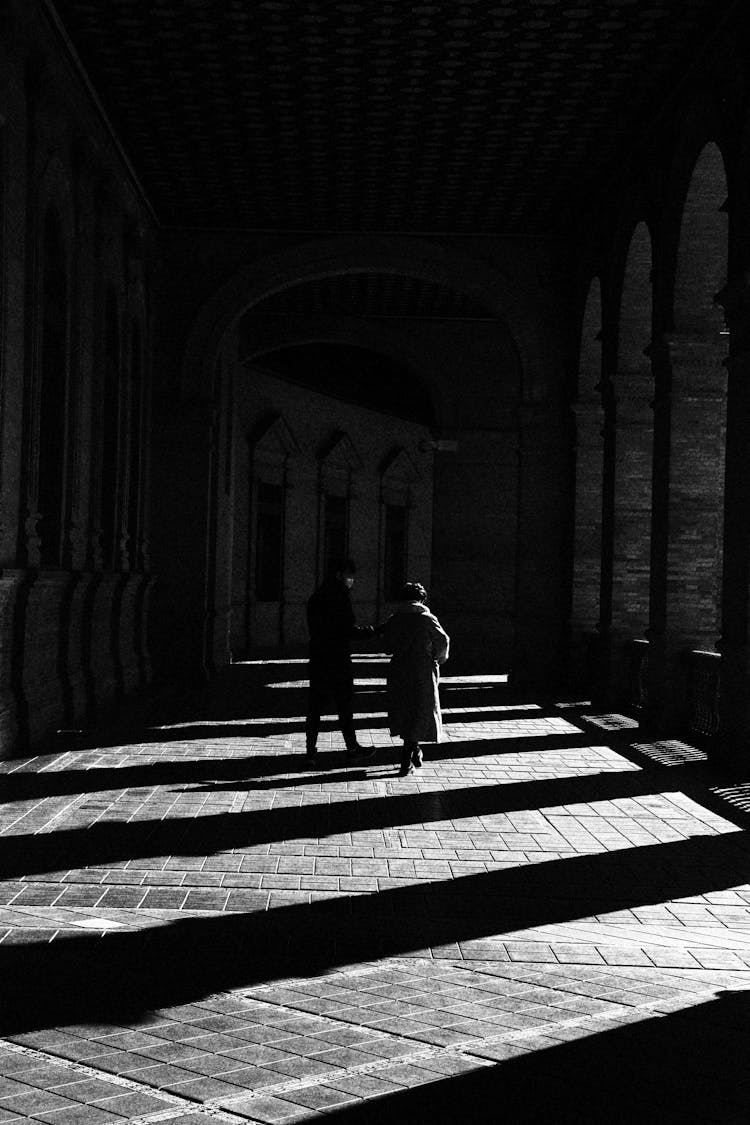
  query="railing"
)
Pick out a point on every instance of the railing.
point(703, 687)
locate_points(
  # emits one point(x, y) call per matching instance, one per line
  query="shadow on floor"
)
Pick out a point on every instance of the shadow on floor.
point(26, 785)
point(690, 1066)
point(122, 976)
point(161, 728)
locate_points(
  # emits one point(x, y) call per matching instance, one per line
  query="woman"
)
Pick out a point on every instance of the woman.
point(419, 645)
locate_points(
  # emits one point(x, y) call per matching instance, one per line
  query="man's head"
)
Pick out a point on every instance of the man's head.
point(345, 571)
point(412, 592)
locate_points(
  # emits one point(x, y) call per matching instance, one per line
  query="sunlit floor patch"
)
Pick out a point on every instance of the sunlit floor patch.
point(612, 722)
point(531, 886)
point(670, 752)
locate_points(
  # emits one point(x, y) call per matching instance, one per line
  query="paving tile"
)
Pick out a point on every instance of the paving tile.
point(269, 1111)
point(32, 1103)
point(471, 983)
point(129, 1104)
point(320, 1097)
point(77, 1115)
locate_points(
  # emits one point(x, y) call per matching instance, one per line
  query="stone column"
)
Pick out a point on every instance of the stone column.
point(587, 543)
point(474, 537)
point(631, 525)
point(599, 654)
point(732, 743)
point(688, 517)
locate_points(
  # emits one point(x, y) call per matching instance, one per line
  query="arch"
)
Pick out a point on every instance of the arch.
point(636, 302)
point(393, 342)
point(702, 249)
point(507, 301)
point(698, 348)
point(701, 132)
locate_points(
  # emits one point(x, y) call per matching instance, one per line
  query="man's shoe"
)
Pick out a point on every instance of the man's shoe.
point(360, 753)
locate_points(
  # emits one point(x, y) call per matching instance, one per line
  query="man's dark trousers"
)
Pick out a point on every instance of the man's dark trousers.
point(328, 683)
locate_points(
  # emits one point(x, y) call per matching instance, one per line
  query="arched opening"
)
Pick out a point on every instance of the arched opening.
point(380, 299)
point(316, 422)
point(634, 444)
point(353, 374)
point(698, 347)
point(53, 389)
point(589, 468)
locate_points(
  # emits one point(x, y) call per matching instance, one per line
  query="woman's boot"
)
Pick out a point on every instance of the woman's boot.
point(406, 759)
point(416, 756)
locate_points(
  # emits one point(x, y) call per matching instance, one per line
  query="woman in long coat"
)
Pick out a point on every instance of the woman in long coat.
point(419, 645)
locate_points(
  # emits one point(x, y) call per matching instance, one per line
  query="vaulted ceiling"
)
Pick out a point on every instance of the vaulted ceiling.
point(418, 116)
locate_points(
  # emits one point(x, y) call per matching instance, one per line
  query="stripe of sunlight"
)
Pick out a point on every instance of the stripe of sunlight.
point(464, 683)
point(149, 805)
point(289, 719)
point(556, 726)
point(358, 658)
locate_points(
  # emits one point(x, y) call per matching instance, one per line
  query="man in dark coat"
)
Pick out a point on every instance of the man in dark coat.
point(332, 626)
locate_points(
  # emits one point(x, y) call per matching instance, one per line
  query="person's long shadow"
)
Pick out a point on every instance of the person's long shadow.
point(274, 725)
point(123, 975)
point(114, 841)
point(24, 786)
point(688, 1066)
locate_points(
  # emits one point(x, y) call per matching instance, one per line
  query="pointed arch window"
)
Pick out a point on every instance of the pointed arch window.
point(339, 461)
point(271, 448)
point(395, 541)
point(397, 478)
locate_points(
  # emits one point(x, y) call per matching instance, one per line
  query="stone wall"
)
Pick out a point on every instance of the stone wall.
point(74, 228)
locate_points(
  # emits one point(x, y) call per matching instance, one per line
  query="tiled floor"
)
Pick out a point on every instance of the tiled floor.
point(549, 922)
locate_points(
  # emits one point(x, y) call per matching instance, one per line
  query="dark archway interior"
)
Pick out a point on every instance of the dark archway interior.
point(355, 375)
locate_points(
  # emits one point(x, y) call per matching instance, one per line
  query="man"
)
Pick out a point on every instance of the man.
point(330, 619)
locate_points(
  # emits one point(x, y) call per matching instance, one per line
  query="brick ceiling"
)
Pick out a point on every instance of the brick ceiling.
point(467, 116)
point(382, 295)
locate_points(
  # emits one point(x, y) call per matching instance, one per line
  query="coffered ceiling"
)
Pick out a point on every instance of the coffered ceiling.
point(466, 116)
